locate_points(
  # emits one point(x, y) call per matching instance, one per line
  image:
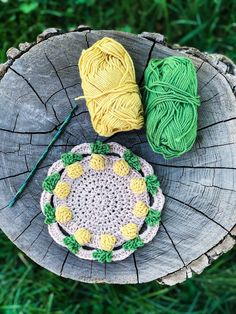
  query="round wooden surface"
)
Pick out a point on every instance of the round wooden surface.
point(36, 94)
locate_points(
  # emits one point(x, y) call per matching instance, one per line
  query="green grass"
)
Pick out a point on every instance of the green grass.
point(27, 288)
point(209, 25)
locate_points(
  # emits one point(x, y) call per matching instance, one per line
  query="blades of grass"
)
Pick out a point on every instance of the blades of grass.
point(49, 303)
point(193, 303)
point(192, 34)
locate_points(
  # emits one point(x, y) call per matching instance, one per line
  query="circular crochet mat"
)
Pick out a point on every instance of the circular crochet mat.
point(102, 201)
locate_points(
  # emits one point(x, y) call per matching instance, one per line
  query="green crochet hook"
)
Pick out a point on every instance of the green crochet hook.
point(42, 157)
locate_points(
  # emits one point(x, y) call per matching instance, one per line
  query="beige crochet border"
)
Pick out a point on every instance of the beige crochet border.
point(118, 253)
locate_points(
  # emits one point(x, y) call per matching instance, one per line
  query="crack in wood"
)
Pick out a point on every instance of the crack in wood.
point(223, 189)
point(30, 223)
point(173, 243)
point(199, 68)
point(21, 173)
point(148, 59)
point(105, 271)
point(164, 179)
point(190, 167)
point(41, 132)
point(26, 163)
point(55, 114)
point(135, 144)
point(91, 269)
point(66, 145)
point(136, 267)
point(205, 85)
point(11, 152)
point(215, 123)
point(64, 262)
point(197, 210)
point(38, 235)
point(209, 257)
point(30, 85)
point(220, 145)
point(14, 127)
point(60, 90)
point(48, 248)
point(209, 99)
point(58, 76)
point(30, 132)
point(86, 37)
point(4, 207)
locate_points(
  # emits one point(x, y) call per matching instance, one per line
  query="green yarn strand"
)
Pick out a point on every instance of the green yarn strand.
point(171, 102)
point(100, 148)
point(132, 160)
point(102, 256)
point(72, 245)
point(134, 244)
point(69, 158)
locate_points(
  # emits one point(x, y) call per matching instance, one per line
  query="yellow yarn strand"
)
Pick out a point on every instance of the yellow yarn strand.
point(110, 89)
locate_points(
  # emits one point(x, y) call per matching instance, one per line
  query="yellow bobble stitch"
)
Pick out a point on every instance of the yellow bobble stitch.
point(97, 162)
point(82, 236)
point(107, 242)
point(75, 170)
point(129, 231)
point(140, 209)
point(138, 185)
point(62, 190)
point(63, 214)
point(121, 168)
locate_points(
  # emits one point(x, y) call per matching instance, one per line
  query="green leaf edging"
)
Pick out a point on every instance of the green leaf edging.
point(72, 245)
point(50, 182)
point(102, 256)
point(152, 184)
point(70, 158)
point(132, 160)
point(134, 244)
point(49, 213)
point(153, 218)
point(100, 148)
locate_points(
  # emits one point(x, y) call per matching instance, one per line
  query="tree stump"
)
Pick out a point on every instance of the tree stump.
point(37, 90)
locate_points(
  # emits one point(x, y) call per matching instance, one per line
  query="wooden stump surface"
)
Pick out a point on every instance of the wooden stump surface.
point(37, 90)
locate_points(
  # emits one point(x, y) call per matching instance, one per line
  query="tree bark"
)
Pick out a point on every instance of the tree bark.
point(37, 89)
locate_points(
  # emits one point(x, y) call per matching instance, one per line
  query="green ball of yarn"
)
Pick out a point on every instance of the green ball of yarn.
point(171, 102)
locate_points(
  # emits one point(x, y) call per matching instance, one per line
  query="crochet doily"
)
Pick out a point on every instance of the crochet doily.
point(101, 201)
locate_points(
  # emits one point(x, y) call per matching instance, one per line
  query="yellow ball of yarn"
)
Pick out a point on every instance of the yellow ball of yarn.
point(121, 168)
point(140, 209)
point(107, 242)
point(62, 190)
point(97, 162)
point(75, 170)
point(129, 231)
point(110, 89)
point(83, 236)
point(63, 214)
point(138, 185)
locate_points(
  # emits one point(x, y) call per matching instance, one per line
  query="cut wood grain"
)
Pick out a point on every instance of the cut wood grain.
point(37, 89)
